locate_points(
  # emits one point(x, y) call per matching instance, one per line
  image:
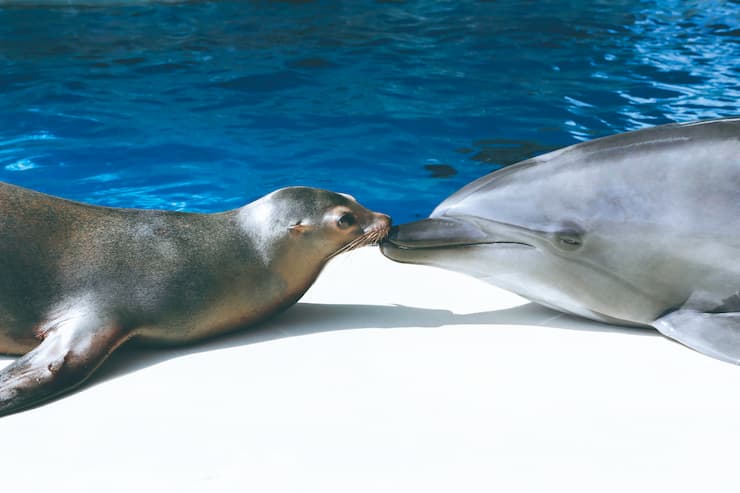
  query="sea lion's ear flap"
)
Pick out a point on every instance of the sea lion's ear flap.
point(297, 228)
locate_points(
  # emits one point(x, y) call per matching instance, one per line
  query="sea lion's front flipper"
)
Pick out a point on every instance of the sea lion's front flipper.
point(71, 350)
point(714, 334)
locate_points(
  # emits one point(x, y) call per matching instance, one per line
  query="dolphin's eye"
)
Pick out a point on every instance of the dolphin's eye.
point(346, 221)
point(568, 240)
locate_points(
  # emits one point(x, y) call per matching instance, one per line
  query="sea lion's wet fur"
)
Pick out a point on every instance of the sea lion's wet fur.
point(81, 279)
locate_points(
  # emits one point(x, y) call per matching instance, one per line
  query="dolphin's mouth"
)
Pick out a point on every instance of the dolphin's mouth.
point(436, 233)
point(401, 246)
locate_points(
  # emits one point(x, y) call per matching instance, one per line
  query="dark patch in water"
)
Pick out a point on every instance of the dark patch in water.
point(505, 152)
point(310, 63)
point(440, 170)
point(276, 81)
point(163, 68)
point(129, 61)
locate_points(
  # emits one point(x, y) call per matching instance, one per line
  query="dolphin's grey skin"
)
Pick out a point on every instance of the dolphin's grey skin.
point(640, 228)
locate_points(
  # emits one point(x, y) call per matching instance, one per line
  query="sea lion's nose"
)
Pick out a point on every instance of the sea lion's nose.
point(380, 222)
point(379, 226)
point(384, 218)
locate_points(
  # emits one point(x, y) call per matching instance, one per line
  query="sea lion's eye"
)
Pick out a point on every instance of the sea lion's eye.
point(346, 221)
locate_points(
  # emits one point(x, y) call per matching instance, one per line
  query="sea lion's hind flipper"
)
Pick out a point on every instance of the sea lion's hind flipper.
point(69, 353)
point(714, 334)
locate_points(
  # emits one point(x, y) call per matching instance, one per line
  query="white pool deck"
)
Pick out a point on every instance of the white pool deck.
point(392, 378)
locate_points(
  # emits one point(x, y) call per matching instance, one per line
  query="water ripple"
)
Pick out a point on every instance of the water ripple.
point(206, 105)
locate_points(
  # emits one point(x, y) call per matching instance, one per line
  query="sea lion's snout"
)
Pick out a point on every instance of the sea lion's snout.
point(378, 228)
point(381, 223)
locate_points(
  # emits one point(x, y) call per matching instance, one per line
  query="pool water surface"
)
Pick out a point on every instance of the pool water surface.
point(204, 106)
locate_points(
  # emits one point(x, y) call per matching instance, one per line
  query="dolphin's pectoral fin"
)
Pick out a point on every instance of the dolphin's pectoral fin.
point(68, 354)
point(714, 334)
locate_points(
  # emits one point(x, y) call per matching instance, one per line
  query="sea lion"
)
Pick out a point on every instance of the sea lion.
point(640, 228)
point(79, 280)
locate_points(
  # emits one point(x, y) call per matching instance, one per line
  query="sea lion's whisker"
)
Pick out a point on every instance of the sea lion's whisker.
point(371, 237)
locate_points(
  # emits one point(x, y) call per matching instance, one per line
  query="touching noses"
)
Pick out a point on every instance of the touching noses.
point(380, 222)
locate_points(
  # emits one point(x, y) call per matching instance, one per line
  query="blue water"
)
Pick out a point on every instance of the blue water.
point(205, 106)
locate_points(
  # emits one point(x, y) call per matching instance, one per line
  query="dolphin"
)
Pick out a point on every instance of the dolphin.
point(640, 228)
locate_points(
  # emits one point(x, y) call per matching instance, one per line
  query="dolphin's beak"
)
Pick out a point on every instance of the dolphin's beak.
point(436, 233)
